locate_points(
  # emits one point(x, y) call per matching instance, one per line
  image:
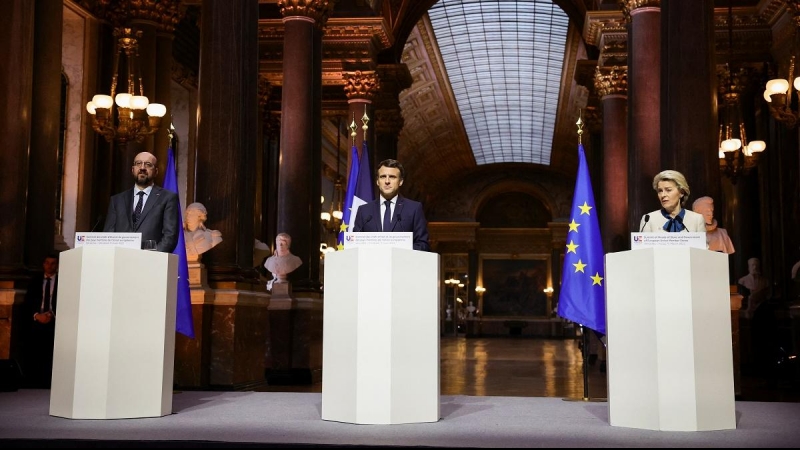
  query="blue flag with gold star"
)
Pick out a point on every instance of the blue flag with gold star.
point(348, 211)
point(583, 298)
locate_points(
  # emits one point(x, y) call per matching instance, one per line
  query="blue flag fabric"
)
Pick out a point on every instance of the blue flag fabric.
point(348, 198)
point(183, 320)
point(359, 190)
point(583, 298)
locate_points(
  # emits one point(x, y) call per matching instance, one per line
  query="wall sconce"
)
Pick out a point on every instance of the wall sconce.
point(332, 218)
point(136, 116)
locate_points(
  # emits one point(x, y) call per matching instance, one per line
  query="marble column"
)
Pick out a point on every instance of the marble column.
point(298, 205)
point(16, 84)
point(45, 133)
point(612, 88)
point(361, 87)
point(689, 128)
point(644, 107)
point(388, 117)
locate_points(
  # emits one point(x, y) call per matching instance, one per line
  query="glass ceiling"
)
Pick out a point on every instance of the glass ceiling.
point(504, 60)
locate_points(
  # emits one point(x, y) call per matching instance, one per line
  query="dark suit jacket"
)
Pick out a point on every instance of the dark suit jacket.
point(408, 216)
point(159, 219)
point(33, 298)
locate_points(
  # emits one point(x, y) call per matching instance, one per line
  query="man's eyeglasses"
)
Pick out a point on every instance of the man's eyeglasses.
point(145, 164)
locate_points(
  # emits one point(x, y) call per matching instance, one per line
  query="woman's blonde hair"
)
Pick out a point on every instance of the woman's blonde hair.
point(677, 178)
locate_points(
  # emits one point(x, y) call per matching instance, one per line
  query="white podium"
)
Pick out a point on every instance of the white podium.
point(380, 339)
point(115, 334)
point(670, 357)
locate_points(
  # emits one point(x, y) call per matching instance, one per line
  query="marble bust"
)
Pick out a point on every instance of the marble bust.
point(283, 262)
point(197, 237)
point(716, 238)
point(757, 286)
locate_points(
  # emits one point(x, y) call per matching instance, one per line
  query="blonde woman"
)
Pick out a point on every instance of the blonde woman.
point(673, 193)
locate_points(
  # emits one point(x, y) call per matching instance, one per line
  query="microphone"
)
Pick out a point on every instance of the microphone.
point(646, 219)
point(99, 219)
point(679, 219)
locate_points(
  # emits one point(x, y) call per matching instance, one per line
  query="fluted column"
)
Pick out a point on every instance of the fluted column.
point(612, 88)
point(227, 133)
point(688, 112)
point(301, 140)
point(361, 87)
point(644, 106)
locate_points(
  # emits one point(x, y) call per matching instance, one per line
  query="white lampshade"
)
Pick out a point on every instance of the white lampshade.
point(757, 146)
point(123, 100)
point(731, 145)
point(156, 110)
point(777, 86)
point(103, 101)
point(767, 97)
point(797, 83)
point(338, 215)
point(322, 199)
point(139, 102)
point(330, 249)
point(91, 108)
point(721, 153)
point(326, 216)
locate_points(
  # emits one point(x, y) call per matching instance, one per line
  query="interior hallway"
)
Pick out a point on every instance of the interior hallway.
point(538, 367)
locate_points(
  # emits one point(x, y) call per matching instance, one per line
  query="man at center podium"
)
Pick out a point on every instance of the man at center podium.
point(391, 212)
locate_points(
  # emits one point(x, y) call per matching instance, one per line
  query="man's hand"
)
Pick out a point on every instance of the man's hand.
point(43, 318)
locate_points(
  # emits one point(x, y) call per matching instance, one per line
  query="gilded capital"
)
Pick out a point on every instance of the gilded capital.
point(164, 13)
point(629, 6)
point(361, 84)
point(318, 10)
point(611, 82)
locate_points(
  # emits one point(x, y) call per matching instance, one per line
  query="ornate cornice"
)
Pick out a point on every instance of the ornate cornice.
point(611, 82)
point(598, 23)
point(183, 75)
point(361, 85)
point(317, 10)
point(164, 13)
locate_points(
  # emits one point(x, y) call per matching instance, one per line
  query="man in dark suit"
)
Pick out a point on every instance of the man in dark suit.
point(40, 304)
point(147, 208)
point(391, 211)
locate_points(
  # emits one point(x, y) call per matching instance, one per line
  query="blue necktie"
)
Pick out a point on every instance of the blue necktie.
point(387, 216)
point(138, 211)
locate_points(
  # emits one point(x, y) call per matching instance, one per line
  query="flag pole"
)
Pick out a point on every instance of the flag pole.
point(584, 336)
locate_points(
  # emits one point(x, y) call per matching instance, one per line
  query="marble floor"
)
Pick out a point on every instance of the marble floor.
point(539, 367)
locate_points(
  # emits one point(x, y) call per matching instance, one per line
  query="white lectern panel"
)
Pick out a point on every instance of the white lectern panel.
point(670, 357)
point(380, 359)
point(115, 334)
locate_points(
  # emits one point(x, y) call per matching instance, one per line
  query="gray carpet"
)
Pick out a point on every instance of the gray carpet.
point(294, 419)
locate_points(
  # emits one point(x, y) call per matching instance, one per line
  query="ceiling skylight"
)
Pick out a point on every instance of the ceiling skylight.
point(504, 60)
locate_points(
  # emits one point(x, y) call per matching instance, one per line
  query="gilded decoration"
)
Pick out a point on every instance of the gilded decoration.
point(319, 10)
point(164, 13)
point(361, 84)
point(611, 82)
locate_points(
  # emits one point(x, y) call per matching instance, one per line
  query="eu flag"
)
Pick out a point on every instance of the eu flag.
point(359, 190)
point(183, 320)
point(582, 298)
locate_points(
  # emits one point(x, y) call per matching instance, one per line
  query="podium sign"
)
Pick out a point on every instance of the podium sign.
point(684, 239)
point(403, 239)
point(125, 240)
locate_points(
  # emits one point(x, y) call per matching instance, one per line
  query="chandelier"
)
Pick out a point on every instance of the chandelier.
point(779, 95)
point(736, 155)
point(136, 117)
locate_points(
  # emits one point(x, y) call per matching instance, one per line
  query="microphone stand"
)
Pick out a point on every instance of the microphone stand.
point(585, 354)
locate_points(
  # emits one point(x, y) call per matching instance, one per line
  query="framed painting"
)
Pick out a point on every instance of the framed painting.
point(515, 287)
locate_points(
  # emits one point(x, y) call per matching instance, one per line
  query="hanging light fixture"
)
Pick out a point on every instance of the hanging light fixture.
point(736, 155)
point(136, 117)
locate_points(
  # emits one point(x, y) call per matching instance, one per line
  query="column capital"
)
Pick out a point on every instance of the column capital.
point(613, 81)
point(361, 84)
point(164, 13)
point(316, 10)
point(629, 6)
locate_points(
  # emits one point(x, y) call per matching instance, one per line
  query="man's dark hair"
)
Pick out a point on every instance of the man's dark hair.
point(52, 255)
point(394, 164)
